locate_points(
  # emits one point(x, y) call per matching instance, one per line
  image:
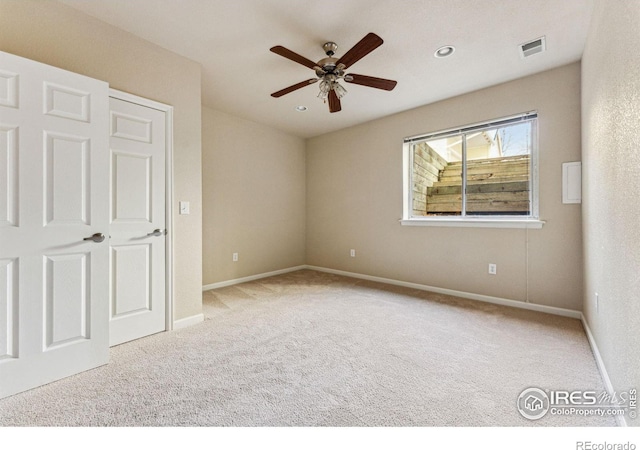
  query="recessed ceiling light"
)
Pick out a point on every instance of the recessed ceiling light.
point(301, 108)
point(444, 51)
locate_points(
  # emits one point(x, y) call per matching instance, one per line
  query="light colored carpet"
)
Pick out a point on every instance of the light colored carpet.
point(314, 349)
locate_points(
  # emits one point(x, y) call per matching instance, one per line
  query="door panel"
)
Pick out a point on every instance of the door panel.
point(132, 193)
point(54, 186)
point(131, 292)
point(8, 88)
point(130, 127)
point(63, 101)
point(138, 294)
point(67, 179)
point(8, 175)
point(66, 299)
point(8, 308)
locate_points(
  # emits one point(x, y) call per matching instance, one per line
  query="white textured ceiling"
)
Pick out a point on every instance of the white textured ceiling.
point(231, 40)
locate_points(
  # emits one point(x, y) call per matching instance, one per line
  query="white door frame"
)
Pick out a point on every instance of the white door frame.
point(168, 110)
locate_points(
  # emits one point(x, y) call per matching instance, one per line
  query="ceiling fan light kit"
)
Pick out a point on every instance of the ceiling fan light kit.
point(329, 71)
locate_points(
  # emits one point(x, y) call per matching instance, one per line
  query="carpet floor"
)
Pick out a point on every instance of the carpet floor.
point(315, 349)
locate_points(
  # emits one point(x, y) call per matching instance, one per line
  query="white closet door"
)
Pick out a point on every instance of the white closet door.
point(54, 193)
point(138, 294)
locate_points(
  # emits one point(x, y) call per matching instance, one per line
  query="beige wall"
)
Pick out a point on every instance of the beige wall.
point(58, 35)
point(611, 168)
point(253, 198)
point(354, 200)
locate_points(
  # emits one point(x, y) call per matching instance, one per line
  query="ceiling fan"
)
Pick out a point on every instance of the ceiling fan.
point(329, 71)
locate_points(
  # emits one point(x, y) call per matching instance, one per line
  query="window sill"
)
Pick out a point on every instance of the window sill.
point(473, 222)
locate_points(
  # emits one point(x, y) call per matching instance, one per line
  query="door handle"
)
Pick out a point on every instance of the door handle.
point(157, 232)
point(97, 237)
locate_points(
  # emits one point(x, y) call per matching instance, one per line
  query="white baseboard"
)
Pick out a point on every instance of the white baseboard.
point(621, 420)
point(251, 278)
point(188, 321)
point(483, 298)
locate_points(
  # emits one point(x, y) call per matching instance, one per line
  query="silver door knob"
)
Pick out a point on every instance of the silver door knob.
point(97, 237)
point(157, 232)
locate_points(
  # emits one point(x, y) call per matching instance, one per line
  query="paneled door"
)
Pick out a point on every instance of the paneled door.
point(54, 219)
point(138, 294)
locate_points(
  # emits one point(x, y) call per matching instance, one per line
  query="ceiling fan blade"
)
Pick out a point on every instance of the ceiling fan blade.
point(378, 83)
point(334, 102)
point(366, 45)
point(295, 87)
point(280, 50)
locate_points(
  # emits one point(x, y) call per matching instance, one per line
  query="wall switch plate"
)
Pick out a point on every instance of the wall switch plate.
point(184, 208)
point(235, 257)
point(353, 253)
point(597, 303)
point(493, 269)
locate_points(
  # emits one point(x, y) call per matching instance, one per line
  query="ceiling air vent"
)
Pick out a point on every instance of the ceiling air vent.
point(532, 47)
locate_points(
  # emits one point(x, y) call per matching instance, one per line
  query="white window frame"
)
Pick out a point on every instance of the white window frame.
point(531, 221)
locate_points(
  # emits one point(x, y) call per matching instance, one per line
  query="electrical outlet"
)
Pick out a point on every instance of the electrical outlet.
point(493, 269)
point(235, 257)
point(353, 253)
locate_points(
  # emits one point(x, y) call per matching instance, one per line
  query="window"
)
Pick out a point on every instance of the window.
point(479, 173)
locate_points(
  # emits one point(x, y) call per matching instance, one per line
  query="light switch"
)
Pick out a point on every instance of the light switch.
point(184, 207)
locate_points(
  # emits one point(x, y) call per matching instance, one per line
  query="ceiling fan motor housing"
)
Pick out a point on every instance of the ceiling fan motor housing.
point(330, 48)
point(327, 65)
